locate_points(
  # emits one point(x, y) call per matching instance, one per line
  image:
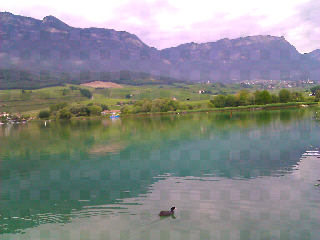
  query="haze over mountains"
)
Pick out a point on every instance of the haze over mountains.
point(51, 46)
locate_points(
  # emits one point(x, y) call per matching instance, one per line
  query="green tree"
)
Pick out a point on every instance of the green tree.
point(73, 88)
point(183, 106)
point(317, 97)
point(231, 101)
point(219, 101)
point(314, 89)
point(136, 109)
point(125, 109)
point(249, 100)
point(146, 106)
point(128, 96)
point(242, 97)
point(104, 107)
point(157, 105)
point(58, 106)
point(155, 108)
point(3, 119)
point(173, 104)
point(165, 107)
point(64, 114)
point(257, 97)
point(137, 103)
point(297, 97)
point(95, 110)
point(79, 110)
point(44, 114)
point(209, 104)
point(274, 98)
point(265, 97)
point(284, 96)
point(85, 92)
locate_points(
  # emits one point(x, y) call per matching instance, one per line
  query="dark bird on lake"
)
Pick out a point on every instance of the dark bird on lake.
point(167, 213)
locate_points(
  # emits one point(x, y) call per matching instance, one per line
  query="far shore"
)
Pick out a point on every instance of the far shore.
point(240, 108)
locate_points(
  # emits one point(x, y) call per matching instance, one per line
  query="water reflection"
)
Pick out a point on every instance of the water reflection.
point(209, 207)
point(65, 170)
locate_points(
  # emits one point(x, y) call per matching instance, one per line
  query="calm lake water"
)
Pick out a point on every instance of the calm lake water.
point(245, 176)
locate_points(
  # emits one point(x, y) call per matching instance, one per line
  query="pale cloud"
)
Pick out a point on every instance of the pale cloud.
point(302, 28)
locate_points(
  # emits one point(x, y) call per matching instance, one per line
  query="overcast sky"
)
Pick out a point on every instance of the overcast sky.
point(168, 23)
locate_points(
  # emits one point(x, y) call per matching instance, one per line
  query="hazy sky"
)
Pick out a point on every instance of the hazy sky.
point(168, 23)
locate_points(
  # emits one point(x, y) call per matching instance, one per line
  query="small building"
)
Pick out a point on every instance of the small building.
point(110, 112)
point(4, 114)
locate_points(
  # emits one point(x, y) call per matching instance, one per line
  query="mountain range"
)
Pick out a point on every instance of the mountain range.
point(52, 47)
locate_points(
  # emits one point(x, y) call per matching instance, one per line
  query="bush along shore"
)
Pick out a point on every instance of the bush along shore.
point(239, 108)
point(243, 100)
point(63, 111)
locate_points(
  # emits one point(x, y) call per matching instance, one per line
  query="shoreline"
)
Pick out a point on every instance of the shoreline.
point(239, 108)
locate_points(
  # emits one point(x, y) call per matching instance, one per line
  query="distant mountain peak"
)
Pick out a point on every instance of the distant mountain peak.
point(53, 22)
point(51, 19)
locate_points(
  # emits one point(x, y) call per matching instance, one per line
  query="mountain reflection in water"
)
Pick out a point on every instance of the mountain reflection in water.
point(228, 176)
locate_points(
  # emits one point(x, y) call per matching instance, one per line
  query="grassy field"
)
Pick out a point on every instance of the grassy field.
point(32, 101)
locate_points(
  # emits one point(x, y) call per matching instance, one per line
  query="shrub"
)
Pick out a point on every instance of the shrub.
point(44, 114)
point(285, 95)
point(79, 110)
point(265, 97)
point(3, 119)
point(86, 93)
point(95, 110)
point(314, 89)
point(64, 114)
point(104, 107)
point(124, 110)
point(58, 106)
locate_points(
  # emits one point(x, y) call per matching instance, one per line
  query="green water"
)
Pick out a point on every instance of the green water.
point(243, 176)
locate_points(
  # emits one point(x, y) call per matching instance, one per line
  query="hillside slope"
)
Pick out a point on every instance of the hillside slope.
point(51, 46)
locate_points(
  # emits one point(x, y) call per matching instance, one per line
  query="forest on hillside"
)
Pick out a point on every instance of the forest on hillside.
point(21, 79)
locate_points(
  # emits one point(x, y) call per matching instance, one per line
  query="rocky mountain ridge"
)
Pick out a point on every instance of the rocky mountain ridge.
point(51, 45)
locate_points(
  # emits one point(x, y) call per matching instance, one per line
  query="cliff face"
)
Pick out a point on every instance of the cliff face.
point(247, 58)
point(52, 45)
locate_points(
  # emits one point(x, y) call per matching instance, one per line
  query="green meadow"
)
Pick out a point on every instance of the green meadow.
point(32, 101)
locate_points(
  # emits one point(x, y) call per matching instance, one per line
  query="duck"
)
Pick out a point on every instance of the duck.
point(167, 213)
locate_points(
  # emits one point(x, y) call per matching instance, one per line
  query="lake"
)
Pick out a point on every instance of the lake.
point(251, 175)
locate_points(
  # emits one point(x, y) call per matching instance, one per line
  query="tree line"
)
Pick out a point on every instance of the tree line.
point(156, 105)
point(244, 98)
point(24, 79)
point(65, 111)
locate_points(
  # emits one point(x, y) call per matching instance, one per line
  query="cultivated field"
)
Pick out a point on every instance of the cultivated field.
point(99, 84)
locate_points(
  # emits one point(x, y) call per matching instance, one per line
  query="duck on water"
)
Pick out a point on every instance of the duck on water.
point(167, 213)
